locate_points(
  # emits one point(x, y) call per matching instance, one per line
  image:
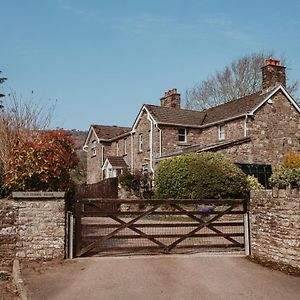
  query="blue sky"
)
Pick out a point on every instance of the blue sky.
point(102, 59)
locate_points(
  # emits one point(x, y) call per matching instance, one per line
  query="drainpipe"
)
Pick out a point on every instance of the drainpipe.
point(160, 141)
point(132, 150)
point(151, 143)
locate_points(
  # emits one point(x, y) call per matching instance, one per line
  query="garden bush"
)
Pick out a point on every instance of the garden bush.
point(42, 163)
point(253, 183)
point(138, 182)
point(291, 160)
point(204, 175)
point(288, 174)
point(284, 177)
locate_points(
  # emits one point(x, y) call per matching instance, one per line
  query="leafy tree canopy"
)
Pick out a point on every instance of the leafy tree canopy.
point(42, 163)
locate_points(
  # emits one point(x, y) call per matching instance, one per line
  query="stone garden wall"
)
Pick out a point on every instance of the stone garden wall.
point(275, 225)
point(32, 227)
point(8, 236)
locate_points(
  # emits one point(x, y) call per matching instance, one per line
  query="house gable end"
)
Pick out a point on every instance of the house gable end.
point(106, 164)
point(287, 95)
point(138, 118)
point(91, 132)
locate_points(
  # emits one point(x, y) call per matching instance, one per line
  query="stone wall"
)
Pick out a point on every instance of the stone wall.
point(32, 227)
point(275, 226)
point(274, 130)
point(40, 225)
point(8, 236)
point(94, 162)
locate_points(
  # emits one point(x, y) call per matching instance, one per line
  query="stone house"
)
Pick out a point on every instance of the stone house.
point(253, 131)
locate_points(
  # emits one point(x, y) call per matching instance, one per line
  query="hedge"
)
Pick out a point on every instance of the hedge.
point(199, 176)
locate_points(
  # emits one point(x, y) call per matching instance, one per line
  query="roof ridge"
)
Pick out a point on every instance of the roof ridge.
point(174, 108)
point(233, 100)
point(261, 92)
point(112, 126)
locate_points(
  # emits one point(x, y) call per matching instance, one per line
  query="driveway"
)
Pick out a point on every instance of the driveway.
point(173, 277)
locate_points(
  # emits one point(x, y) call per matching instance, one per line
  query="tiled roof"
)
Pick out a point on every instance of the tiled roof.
point(170, 115)
point(117, 161)
point(109, 132)
point(234, 108)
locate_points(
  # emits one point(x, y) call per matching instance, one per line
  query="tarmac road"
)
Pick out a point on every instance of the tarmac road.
point(173, 277)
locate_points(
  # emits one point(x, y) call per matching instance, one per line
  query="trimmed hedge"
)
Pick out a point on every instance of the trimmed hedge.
point(199, 176)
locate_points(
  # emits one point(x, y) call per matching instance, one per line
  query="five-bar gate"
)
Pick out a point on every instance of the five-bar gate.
point(109, 226)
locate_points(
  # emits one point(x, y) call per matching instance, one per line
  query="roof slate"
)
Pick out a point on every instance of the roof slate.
point(234, 108)
point(105, 132)
point(117, 161)
point(170, 115)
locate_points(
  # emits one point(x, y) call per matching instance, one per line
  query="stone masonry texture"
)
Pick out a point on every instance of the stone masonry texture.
point(275, 225)
point(31, 229)
point(41, 229)
point(8, 235)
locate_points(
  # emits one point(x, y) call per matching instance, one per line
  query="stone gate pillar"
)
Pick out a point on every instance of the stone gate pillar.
point(40, 225)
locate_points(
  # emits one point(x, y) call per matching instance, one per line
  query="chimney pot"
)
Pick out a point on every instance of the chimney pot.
point(272, 62)
point(171, 99)
point(273, 73)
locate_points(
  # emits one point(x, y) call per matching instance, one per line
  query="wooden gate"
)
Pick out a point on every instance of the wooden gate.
point(160, 226)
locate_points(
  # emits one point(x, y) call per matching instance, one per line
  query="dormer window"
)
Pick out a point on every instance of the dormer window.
point(94, 148)
point(221, 132)
point(182, 135)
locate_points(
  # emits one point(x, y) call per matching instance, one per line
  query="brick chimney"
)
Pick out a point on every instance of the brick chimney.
point(273, 73)
point(171, 99)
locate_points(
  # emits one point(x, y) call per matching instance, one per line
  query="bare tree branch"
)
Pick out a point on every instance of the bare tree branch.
point(240, 78)
point(18, 121)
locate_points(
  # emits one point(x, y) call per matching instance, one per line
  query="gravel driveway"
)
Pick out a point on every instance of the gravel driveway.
point(173, 277)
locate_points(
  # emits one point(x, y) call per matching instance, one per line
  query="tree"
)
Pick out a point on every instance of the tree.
point(240, 78)
point(42, 163)
point(2, 80)
point(20, 119)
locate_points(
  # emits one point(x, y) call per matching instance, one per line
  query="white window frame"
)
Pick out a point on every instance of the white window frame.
point(221, 132)
point(94, 148)
point(117, 146)
point(182, 135)
point(140, 142)
point(125, 146)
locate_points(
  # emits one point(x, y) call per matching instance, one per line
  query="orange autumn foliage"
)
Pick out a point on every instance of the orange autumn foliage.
point(291, 160)
point(42, 163)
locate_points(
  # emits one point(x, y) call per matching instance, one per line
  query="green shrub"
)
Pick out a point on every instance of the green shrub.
point(130, 182)
point(284, 177)
point(288, 174)
point(204, 175)
point(139, 183)
point(253, 183)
